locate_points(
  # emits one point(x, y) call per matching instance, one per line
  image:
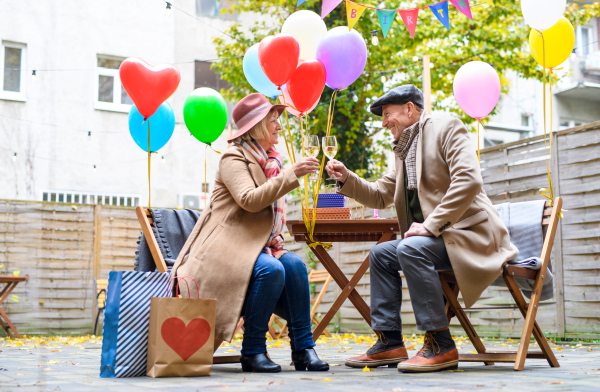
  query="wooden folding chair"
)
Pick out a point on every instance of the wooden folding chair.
point(315, 276)
point(101, 285)
point(528, 310)
point(146, 222)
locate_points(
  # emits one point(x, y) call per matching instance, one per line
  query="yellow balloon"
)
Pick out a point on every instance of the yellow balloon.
point(559, 42)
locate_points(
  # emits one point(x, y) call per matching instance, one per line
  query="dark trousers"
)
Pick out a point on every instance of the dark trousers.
point(284, 280)
point(419, 258)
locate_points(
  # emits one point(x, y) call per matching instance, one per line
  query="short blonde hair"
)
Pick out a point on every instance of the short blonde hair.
point(259, 131)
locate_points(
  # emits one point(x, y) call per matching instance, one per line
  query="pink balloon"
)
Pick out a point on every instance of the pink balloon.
point(288, 101)
point(477, 88)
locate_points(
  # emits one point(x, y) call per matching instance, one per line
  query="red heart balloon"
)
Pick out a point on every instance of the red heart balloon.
point(278, 56)
point(185, 340)
point(306, 84)
point(148, 86)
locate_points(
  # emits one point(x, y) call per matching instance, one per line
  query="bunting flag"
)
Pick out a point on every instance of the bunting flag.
point(300, 2)
point(489, 2)
point(410, 18)
point(441, 12)
point(354, 12)
point(328, 6)
point(386, 18)
point(463, 6)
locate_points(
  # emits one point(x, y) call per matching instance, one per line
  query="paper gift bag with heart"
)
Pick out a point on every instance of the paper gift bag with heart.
point(181, 336)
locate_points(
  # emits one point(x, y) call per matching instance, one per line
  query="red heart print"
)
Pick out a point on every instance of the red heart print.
point(185, 340)
point(148, 86)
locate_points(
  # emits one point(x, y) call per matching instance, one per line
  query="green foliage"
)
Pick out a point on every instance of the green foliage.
point(497, 35)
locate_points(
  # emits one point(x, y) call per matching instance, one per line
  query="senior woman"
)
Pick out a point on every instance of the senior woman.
point(235, 251)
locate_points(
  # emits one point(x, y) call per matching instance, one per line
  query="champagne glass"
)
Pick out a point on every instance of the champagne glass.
point(330, 148)
point(311, 149)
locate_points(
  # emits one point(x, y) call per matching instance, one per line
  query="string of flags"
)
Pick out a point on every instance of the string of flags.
point(409, 16)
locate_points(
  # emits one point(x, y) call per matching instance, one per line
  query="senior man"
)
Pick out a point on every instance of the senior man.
point(447, 223)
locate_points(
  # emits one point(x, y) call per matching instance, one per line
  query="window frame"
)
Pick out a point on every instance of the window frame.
point(13, 95)
point(115, 105)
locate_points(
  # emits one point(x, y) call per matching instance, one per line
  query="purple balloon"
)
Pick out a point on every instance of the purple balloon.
point(344, 55)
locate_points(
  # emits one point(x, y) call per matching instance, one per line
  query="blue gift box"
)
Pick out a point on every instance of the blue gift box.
point(331, 200)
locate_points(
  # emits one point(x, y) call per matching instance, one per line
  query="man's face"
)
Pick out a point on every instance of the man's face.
point(397, 118)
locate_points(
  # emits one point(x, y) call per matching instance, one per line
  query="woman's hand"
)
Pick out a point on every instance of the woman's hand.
point(276, 243)
point(304, 166)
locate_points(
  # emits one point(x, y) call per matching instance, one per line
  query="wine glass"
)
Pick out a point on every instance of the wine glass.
point(330, 148)
point(311, 149)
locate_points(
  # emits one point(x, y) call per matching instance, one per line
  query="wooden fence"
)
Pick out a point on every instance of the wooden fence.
point(64, 247)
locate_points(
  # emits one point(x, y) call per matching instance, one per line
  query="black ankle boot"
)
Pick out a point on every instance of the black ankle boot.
point(440, 342)
point(308, 360)
point(386, 340)
point(259, 363)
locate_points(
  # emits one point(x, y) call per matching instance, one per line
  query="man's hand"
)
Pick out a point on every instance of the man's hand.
point(417, 229)
point(337, 169)
point(276, 243)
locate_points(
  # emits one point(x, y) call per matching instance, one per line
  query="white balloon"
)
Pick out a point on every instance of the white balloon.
point(542, 14)
point(308, 28)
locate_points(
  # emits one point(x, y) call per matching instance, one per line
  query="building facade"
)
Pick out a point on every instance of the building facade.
point(64, 132)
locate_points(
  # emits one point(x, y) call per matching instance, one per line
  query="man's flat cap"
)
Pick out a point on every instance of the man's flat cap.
point(398, 96)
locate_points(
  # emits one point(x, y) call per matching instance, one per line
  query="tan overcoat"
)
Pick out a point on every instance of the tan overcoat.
point(230, 235)
point(453, 202)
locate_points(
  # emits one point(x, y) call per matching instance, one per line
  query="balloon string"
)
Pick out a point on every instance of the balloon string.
point(149, 165)
point(211, 147)
point(205, 182)
point(478, 150)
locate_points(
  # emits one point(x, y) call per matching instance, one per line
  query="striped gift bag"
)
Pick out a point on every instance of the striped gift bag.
point(126, 321)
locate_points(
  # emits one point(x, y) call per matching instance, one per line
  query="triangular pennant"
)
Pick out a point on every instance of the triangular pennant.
point(463, 6)
point(410, 19)
point(300, 2)
point(386, 18)
point(328, 6)
point(441, 12)
point(354, 12)
point(489, 2)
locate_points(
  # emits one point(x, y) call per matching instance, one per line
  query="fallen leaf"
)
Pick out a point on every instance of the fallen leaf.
point(53, 351)
point(411, 347)
point(47, 369)
point(327, 379)
point(589, 349)
point(553, 382)
point(20, 374)
point(366, 369)
point(230, 351)
point(558, 348)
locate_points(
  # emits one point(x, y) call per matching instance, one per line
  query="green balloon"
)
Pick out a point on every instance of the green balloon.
point(205, 114)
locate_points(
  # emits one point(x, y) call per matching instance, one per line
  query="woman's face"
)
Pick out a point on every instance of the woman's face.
point(273, 128)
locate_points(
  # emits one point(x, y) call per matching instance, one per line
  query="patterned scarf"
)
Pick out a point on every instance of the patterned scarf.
point(405, 148)
point(271, 163)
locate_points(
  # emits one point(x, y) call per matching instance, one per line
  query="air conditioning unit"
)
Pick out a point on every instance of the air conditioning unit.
point(189, 201)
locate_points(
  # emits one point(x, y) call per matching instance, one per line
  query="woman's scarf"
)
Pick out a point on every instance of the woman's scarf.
point(271, 163)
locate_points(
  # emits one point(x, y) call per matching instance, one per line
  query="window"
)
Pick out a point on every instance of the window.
point(205, 187)
point(12, 78)
point(526, 119)
point(205, 76)
point(585, 41)
point(567, 123)
point(110, 94)
point(74, 197)
point(215, 8)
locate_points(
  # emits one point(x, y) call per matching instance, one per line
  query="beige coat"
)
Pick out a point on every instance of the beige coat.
point(453, 202)
point(231, 233)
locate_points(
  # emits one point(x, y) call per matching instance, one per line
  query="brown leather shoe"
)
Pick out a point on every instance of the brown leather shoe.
point(434, 356)
point(389, 357)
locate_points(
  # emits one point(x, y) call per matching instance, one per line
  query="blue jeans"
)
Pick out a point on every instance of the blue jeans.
point(273, 279)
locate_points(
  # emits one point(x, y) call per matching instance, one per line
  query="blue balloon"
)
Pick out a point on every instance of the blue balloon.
point(162, 125)
point(256, 76)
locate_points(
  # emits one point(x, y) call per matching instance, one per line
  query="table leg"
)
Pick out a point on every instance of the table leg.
point(9, 325)
point(348, 287)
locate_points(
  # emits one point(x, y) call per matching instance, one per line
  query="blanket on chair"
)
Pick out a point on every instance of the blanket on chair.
point(171, 229)
point(524, 223)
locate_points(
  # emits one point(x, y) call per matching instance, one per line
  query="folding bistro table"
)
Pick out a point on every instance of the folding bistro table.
point(11, 283)
point(344, 230)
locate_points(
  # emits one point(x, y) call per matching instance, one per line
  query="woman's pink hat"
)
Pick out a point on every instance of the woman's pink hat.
point(250, 111)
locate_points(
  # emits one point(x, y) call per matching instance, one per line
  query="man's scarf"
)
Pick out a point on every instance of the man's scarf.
point(271, 163)
point(405, 148)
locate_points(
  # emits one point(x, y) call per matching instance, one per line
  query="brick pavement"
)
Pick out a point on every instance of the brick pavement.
point(72, 364)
